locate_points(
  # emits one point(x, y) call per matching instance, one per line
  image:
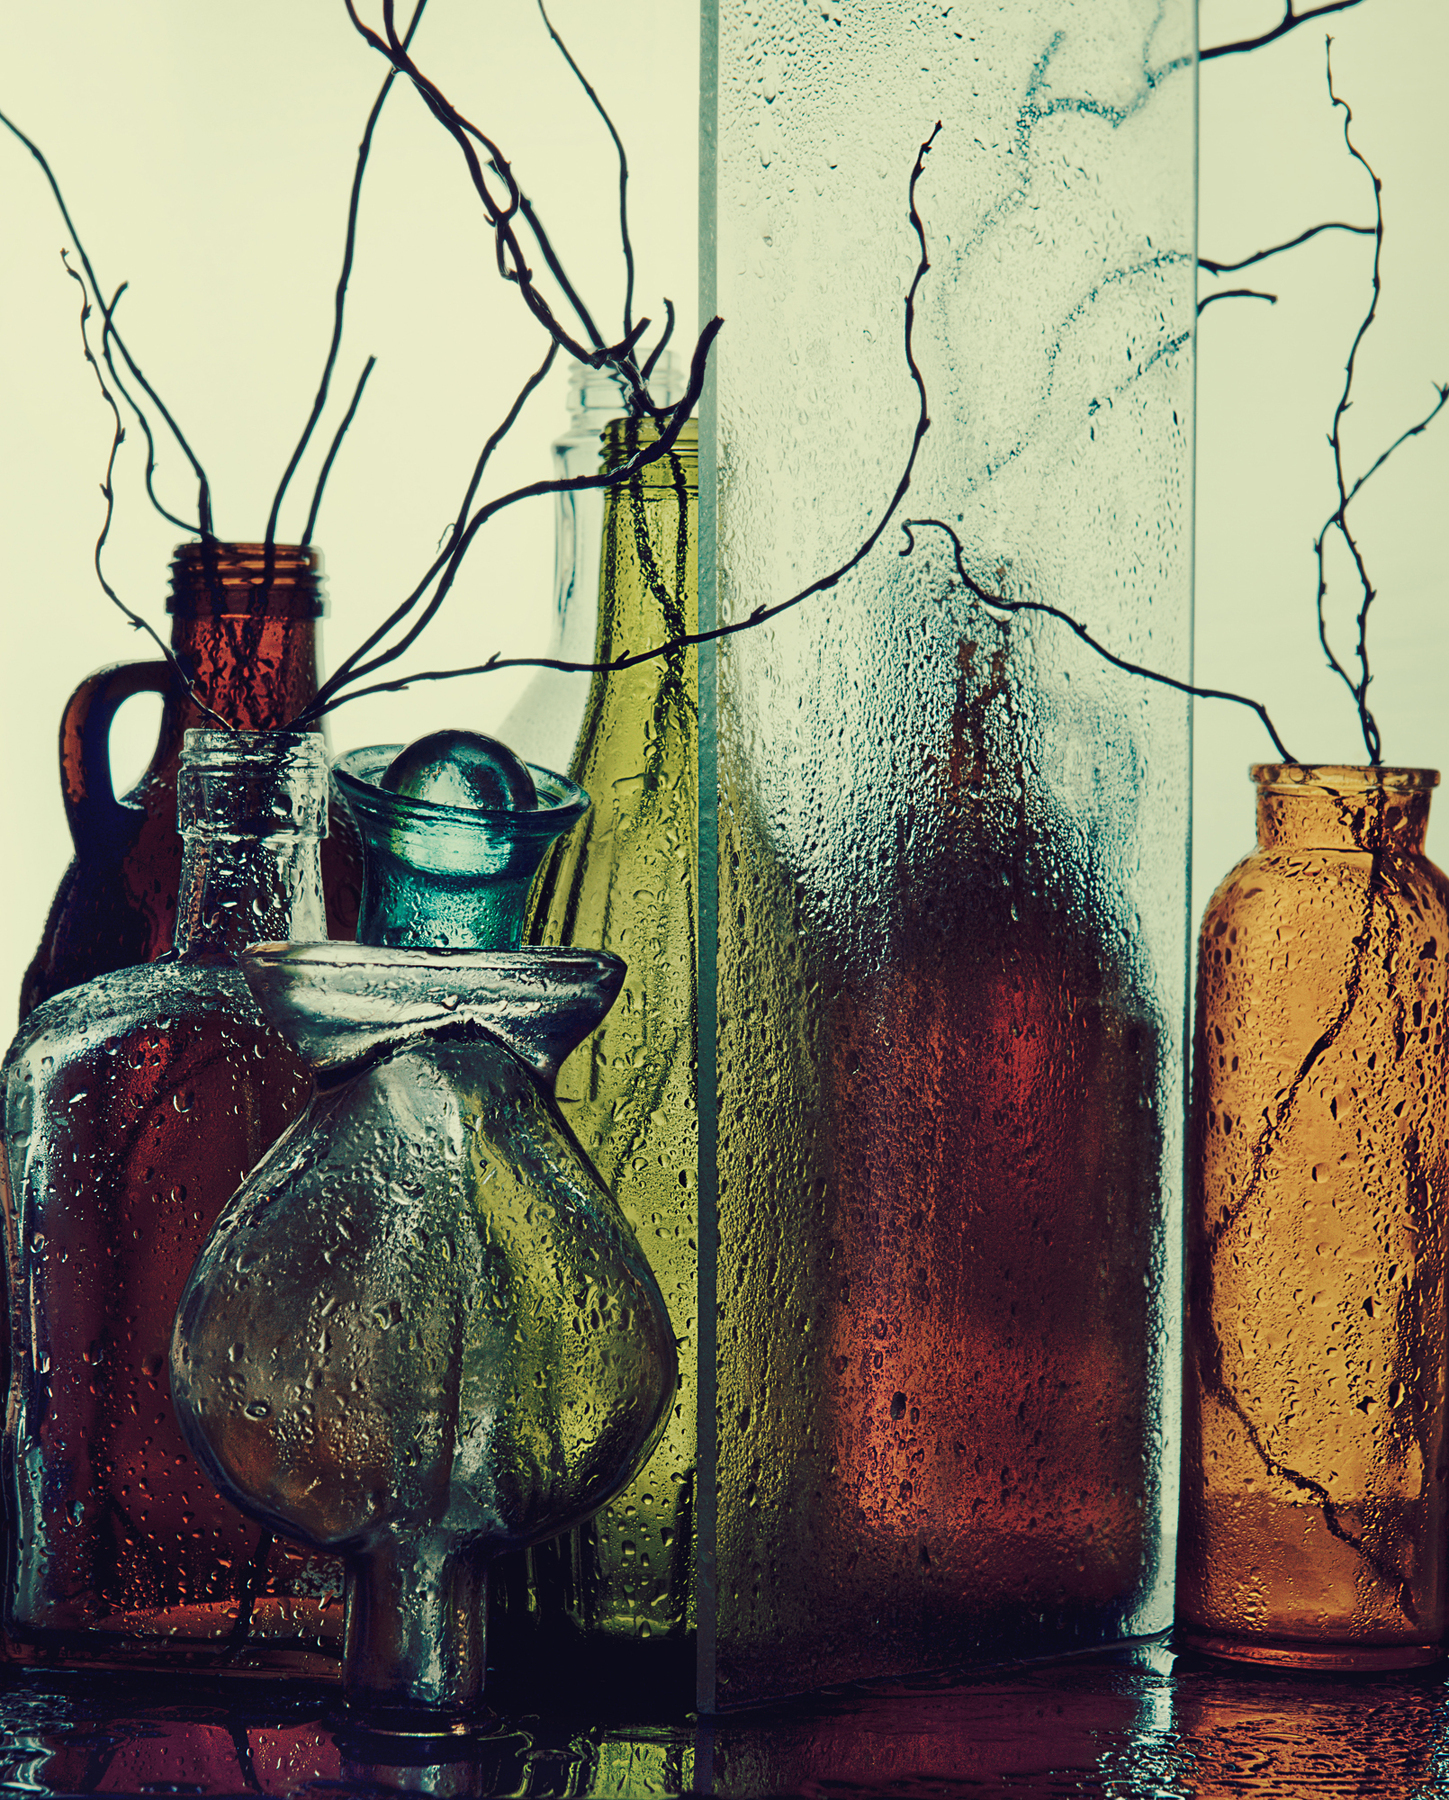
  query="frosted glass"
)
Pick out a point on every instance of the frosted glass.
point(946, 955)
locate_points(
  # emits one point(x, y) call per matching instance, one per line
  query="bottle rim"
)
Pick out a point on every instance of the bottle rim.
point(210, 578)
point(357, 774)
point(1342, 778)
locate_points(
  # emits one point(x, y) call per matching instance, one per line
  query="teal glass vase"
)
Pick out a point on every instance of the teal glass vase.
point(447, 877)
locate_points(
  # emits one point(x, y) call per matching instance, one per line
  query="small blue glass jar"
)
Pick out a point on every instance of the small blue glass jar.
point(444, 877)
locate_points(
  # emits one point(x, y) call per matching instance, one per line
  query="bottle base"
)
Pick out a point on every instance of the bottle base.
point(294, 1638)
point(1342, 1657)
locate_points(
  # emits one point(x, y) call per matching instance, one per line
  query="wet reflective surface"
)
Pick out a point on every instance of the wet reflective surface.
point(1135, 1726)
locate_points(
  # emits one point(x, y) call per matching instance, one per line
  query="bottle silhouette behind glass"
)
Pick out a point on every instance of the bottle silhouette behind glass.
point(625, 880)
point(133, 1108)
point(246, 633)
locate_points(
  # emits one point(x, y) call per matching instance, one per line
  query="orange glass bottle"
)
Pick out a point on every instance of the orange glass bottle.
point(247, 635)
point(1313, 1495)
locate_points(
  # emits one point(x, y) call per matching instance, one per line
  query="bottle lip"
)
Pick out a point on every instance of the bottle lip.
point(252, 782)
point(1342, 778)
point(617, 445)
point(211, 579)
point(357, 773)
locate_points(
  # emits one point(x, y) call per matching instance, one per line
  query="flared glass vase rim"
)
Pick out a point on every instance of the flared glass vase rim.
point(560, 801)
point(1342, 778)
point(341, 1004)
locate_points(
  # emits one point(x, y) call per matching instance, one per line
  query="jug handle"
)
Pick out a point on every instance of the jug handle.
point(92, 811)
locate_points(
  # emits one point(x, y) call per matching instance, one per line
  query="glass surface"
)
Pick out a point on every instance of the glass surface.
point(1314, 1517)
point(441, 876)
point(248, 636)
point(1134, 1725)
point(133, 1107)
point(421, 1333)
point(543, 723)
point(948, 908)
point(624, 880)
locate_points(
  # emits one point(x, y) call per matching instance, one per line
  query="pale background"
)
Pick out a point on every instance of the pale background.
point(206, 151)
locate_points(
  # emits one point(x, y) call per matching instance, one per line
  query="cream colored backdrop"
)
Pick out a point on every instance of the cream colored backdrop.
point(206, 151)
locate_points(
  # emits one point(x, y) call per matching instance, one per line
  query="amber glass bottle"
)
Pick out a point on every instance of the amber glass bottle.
point(1313, 1494)
point(133, 1107)
point(244, 627)
point(625, 880)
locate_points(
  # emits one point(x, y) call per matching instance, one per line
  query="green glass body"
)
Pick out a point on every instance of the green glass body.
point(625, 880)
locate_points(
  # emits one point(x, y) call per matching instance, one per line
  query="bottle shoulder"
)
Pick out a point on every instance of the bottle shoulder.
point(100, 1016)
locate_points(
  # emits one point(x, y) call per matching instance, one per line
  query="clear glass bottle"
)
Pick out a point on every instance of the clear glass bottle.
point(1313, 1500)
point(421, 1333)
point(133, 1108)
point(245, 628)
point(543, 725)
point(625, 880)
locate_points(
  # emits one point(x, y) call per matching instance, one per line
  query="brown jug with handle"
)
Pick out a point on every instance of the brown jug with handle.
point(244, 629)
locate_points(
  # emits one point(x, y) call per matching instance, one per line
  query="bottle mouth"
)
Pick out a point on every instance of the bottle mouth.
point(211, 579)
point(622, 437)
point(253, 783)
point(1342, 779)
point(357, 774)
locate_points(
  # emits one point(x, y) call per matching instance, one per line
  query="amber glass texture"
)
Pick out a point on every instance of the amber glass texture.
point(625, 880)
point(133, 1107)
point(244, 627)
point(1313, 1503)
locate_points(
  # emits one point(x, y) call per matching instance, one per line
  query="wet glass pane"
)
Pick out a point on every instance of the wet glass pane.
point(952, 842)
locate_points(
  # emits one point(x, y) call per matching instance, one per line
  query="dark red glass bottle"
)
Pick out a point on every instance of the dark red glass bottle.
point(244, 628)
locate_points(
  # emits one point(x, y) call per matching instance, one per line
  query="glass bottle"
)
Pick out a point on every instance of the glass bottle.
point(1313, 1503)
point(447, 877)
point(543, 725)
point(249, 641)
point(625, 880)
point(421, 1333)
point(133, 1107)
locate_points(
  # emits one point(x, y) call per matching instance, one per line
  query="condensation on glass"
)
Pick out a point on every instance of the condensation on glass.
point(947, 914)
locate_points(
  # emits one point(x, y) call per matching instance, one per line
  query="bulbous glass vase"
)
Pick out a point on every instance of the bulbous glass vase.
point(422, 1332)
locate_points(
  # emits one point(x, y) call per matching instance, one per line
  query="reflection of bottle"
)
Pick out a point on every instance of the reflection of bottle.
point(625, 880)
point(133, 1107)
point(543, 726)
point(248, 640)
point(1313, 1503)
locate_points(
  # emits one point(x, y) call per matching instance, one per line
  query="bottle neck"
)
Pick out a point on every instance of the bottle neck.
point(649, 581)
point(252, 810)
point(244, 630)
point(1343, 808)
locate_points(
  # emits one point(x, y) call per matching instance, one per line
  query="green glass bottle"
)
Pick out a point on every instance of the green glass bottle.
point(625, 879)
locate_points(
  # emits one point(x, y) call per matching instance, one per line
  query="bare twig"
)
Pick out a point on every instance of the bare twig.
point(339, 305)
point(445, 565)
point(1003, 604)
point(1290, 21)
point(598, 105)
point(1235, 294)
point(331, 696)
point(118, 437)
point(203, 528)
point(512, 262)
point(1231, 268)
point(1338, 520)
point(331, 457)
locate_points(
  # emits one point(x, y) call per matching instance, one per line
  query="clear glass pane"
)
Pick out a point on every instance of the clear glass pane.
point(952, 856)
